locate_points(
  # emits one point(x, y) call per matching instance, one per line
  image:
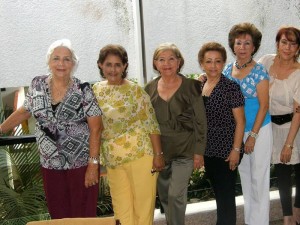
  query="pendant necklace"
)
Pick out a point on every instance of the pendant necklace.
point(242, 66)
point(207, 89)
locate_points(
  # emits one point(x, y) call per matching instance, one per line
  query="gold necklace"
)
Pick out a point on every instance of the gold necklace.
point(207, 88)
point(60, 94)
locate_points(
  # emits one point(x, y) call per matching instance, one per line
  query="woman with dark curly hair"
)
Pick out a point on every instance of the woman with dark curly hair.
point(130, 148)
point(244, 40)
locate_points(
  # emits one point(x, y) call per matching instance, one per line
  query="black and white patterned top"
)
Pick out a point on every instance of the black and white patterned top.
point(62, 134)
point(220, 120)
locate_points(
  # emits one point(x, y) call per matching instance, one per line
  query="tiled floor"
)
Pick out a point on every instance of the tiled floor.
point(204, 213)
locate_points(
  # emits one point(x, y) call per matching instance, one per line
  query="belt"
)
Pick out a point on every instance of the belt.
point(281, 119)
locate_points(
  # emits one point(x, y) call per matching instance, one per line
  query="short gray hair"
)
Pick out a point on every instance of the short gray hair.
point(63, 43)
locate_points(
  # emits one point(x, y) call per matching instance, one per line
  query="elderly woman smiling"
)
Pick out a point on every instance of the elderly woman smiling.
point(181, 116)
point(68, 129)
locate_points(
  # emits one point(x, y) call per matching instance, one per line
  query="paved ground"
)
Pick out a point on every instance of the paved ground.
point(279, 222)
point(204, 213)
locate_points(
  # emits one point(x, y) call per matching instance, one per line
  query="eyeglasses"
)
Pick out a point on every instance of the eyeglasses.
point(291, 44)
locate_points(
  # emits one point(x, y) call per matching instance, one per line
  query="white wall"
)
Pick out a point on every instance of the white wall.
point(189, 24)
point(27, 28)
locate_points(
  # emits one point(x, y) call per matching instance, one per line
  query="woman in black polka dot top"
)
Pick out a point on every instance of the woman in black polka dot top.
point(224, 103)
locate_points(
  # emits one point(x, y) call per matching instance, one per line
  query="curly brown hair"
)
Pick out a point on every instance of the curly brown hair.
point(243, 29)
point(212, 46)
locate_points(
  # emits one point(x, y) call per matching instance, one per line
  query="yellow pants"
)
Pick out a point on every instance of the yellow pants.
point(133, 191)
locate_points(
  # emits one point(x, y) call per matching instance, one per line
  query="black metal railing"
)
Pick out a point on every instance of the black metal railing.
point(11, 140)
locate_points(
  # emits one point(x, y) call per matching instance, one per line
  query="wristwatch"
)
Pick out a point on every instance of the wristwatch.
point(93, 160)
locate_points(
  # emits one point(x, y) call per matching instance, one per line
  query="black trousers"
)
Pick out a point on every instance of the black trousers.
point(223, 182)
point(284, 178)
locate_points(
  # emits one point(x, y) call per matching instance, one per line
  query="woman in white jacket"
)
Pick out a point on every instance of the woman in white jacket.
point(284, 71)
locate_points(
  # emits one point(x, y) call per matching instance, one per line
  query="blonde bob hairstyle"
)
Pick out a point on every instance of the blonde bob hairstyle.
point(66, 43)
point(165, 47)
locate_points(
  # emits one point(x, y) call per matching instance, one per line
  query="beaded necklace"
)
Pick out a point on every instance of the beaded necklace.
point(242, 66)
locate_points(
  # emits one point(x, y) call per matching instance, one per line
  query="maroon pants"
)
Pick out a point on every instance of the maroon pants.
point(66, 195)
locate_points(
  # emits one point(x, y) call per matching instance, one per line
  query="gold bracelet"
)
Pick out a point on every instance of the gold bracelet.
point(289, 146)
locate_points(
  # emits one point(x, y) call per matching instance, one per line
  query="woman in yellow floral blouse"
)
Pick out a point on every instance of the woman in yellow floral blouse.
point(131, 148)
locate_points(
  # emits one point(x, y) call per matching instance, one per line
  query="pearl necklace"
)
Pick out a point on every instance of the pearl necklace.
point(242, 66)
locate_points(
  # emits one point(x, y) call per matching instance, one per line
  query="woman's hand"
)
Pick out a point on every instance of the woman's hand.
point(286, 154)
point(158, 157)
point(158, 163)
point(233, 159)
point(249, 145)
point(287, 149)
point(91, 175)
point(202, 78)
point(198, 161)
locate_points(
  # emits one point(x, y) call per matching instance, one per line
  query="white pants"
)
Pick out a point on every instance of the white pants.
point(255, 178)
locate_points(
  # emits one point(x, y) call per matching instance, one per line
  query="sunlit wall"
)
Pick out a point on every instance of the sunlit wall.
point(27, 28)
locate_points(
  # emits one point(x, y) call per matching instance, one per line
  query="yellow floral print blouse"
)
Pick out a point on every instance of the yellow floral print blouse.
point(128, 119)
